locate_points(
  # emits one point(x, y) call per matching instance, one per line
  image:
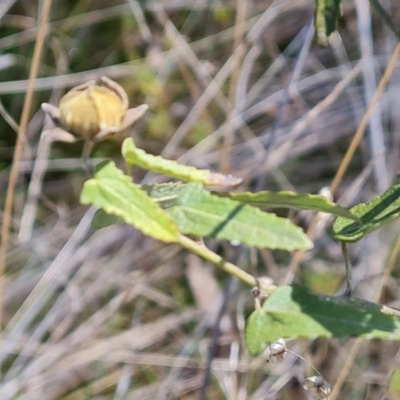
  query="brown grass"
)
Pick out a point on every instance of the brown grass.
point(240, 88)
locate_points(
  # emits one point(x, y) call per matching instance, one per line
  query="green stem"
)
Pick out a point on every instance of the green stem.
point(129, 169)
point(347, 264)
point(202, 251)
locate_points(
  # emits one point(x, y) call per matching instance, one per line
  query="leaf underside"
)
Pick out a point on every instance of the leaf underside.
point(294, 312)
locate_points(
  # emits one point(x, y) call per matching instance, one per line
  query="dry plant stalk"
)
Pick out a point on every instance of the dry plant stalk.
point(19, 144)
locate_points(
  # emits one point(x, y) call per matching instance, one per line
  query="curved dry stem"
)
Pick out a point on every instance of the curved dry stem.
point(364, 122)
point(349, 154)
point(20, 141)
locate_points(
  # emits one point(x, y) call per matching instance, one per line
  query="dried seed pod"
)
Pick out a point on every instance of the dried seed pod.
point(89, 109)
point(266, 286)
point(93, 112)
point(277, 351)
point(318, 386)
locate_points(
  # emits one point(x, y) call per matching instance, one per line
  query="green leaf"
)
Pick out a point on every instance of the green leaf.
point(101, 219)
point(139, 157)
point(377, 212)
point(294, 312)
point(165, 194)
point(327, 13)
point(116, 194)
point(202, 214)
point(302, 201)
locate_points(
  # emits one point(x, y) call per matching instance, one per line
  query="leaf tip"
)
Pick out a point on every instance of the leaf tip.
point(215, 178)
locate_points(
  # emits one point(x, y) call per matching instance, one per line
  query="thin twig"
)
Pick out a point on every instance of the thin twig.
point(283, 105)
point(216, 333)
point(364, 122)
point(347, 264)
point(5, 6)
point(141, 20)
point(356, 346)
point(349, 154)
point(19, 144)
point(238, 44)
point(339, 175)
point(8, 118)
point(384, 15)
point(376, 135)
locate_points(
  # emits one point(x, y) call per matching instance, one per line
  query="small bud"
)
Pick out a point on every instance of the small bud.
point(88, 109)
point(266, 286)
point(92, 112)
point(277, 351)
point(318, 386)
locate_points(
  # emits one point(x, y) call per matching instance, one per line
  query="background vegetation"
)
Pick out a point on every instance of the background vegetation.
point(238, 87)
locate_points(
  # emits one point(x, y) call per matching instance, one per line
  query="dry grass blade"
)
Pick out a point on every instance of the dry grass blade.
point(239, 86)
point(376, 136)
point(363, 125)
point(18, 147)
